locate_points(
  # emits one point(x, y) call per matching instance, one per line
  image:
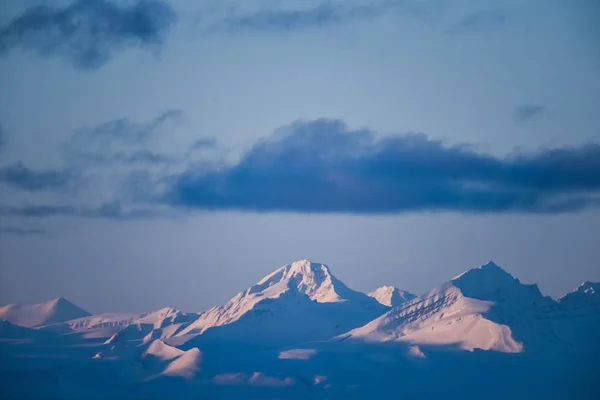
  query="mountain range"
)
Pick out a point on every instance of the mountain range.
point(302, 333)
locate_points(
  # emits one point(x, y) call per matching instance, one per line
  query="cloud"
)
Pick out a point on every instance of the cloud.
point(487, 19)
point(528, 112)
point(203, 144)
point(120, 141)
point(318, 16)
point(281, 20)
point(88, 33)
point(19, 176)
point(323, 166)
point(2, 138)
point(108, 171)
point(109, 210)
point(17, 231)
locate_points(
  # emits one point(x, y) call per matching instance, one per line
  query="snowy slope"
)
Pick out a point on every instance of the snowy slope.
point(162, 323)
point(391, 296)
point(484, 308)
point(579, 316)
point(53, 311)
point(166, 317)
point(159, 324)
point(9, 330)
point(587, 295)
point(301, 333)
point(146, 361)
point(99, 325)
point(299, 301)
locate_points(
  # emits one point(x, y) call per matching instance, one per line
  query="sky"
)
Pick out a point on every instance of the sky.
point(172, 153)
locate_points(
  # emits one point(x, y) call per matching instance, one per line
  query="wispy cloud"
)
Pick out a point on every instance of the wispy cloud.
point(276, 19)
point(2, 139)
point(528, 112)
point(111, 210)
point(88, 33)
point(22, 177)
point(203, 144)
point(486, 19)
point(120, 141)
point(283, 20)
point(111, 170)
point(18, 231)
point(322, 166)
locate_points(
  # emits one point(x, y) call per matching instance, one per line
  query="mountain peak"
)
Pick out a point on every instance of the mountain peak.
point(490, 282)
point(58, 301)
point(313, 279)
point(589, 287)
point(391, 296)
point(490, 270)
point(490, 265)
point(587, 293)
point(52, 311)
point(306, 266)
point(294, 289)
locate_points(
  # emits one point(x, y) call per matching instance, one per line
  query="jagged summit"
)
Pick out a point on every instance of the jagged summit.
point(165, 316)
point(49, 312)
point(300, 290)
point(591, 288)
point(489, 267)
point(492, 283)
point(473, 310)
point(391, 296)
point(587, 294)
point(305, 266)
point(313, 279)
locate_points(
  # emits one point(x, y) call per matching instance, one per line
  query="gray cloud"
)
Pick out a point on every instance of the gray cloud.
point(322, 166)
point(109, 210)
point(2, 138)
point(487, 19)
point(103, 165)
point(17, 231)
point(24, 178)
point(88, 33)
point(280, 20)
point(120, 141)
point(321, 15)
point(527, 112)
point(125, 130)
point(203, 144)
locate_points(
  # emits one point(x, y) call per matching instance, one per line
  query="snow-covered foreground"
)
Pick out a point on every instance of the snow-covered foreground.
point(300, 333)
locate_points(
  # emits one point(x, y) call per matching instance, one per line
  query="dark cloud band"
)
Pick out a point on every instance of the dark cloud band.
point(322, 166)
point(22, 177)
point(88, 33)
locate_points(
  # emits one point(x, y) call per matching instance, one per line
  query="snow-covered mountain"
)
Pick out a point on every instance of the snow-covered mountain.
point(302, 333)
point(9, 330)
point(484, 308)
point(579, 316)
point(299, 301)
point(585, 296)
point(161, 324)
point(31, 315)
point(391, 296)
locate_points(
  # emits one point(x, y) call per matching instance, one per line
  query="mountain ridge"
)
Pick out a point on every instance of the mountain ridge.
point(304, 301)
point(304, 284)
point(301, 333)
point(32, 315)
point(391, 296)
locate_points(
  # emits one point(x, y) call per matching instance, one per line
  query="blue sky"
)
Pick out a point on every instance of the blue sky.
point(173, 153)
